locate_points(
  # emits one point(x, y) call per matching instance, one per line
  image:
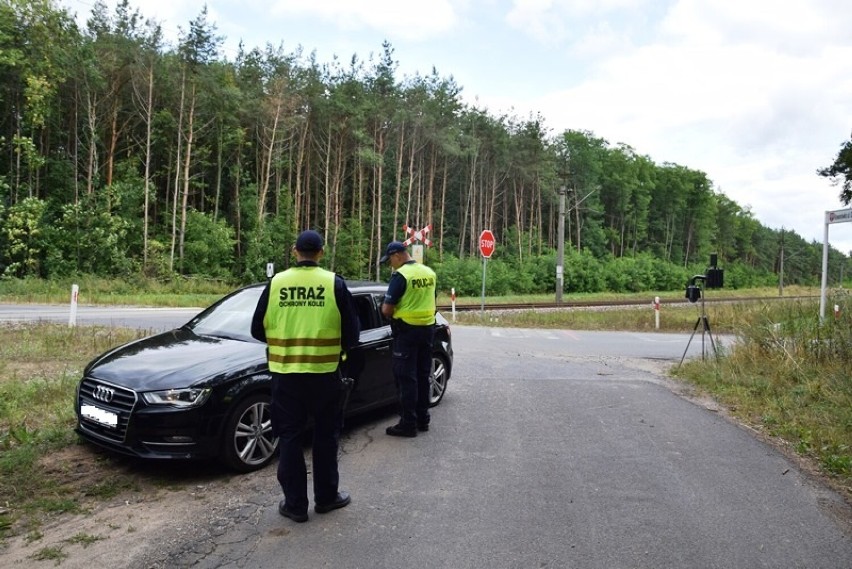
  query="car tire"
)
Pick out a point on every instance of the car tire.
point(247, 440)
point(438, 380)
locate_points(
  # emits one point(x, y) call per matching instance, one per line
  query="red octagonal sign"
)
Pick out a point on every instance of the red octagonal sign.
point(486, 243)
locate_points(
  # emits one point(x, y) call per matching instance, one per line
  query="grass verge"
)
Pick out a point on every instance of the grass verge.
point(40, 364)
point(788, 377)
point(182, 292)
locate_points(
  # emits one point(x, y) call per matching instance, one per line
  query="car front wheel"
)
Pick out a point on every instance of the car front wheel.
point(438, 381)
point(248, 443)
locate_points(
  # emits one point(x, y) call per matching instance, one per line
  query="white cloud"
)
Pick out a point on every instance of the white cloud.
point(755, 94)
point(410, 19)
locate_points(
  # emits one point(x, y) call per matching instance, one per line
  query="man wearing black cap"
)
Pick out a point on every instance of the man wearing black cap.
point(306, 316)
point(410, 304)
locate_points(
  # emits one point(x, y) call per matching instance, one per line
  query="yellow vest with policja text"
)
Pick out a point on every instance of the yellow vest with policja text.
point(417, 305)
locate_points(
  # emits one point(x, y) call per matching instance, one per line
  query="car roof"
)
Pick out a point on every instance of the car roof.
point(353, 285)
point(366, 286)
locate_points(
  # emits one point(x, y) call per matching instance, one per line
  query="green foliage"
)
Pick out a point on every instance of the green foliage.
point(209, 246)
point(533, 275)
point(582, 272)
point(643, 273)
point(50, 553)
point(738, 275)
point(89, 238)
point(349, 254)
point(465, 275)
point(157, 266)
point(271, 242)
point(23, 233)
point(840, 171)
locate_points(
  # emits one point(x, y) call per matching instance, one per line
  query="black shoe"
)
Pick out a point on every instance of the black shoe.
point(343, 499)
point(288, 513)
point(423, 427)
point(400, 430)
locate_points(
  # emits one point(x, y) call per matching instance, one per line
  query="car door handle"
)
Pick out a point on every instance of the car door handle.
point(383, 348)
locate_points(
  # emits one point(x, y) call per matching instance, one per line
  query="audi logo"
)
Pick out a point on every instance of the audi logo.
point(103, 393)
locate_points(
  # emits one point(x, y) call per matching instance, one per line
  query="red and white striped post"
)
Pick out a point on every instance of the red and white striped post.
point(657, 312)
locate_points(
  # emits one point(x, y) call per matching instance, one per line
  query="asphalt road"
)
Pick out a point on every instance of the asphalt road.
point(154, 319)
point(552, 449)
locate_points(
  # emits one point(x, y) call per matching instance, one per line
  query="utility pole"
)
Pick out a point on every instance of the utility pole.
point(560, 247)
point(781, 267)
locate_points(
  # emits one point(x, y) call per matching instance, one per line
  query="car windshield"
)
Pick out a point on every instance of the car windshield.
point(229, 318)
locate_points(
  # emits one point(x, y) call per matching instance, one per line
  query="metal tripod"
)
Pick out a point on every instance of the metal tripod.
point(705, 331)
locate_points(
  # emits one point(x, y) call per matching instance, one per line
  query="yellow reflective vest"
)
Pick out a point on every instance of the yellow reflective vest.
point(417, 305)
point(302, 322)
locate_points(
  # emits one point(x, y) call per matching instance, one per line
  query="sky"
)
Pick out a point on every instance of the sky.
point(757, 94)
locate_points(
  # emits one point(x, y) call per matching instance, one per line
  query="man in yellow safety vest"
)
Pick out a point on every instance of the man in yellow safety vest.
point(306, 316)
point(410, 304)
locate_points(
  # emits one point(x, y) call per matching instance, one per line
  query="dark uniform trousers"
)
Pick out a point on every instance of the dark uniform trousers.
point(412, 369)
point(295, 396)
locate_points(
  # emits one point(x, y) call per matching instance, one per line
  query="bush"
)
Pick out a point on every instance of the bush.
point(583, 273)
point(208, 247)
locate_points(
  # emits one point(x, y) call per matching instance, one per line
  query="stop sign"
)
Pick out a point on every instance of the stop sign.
point(486, 243)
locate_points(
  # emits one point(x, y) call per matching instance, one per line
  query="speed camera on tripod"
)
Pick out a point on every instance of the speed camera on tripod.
point(714, 277)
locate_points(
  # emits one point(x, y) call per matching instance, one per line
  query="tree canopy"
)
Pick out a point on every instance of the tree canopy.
point(122, 155)
point(841, 171)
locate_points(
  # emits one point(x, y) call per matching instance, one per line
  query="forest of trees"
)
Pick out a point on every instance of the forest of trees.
point(121, 155)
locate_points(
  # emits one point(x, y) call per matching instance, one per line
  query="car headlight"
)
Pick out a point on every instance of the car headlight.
point(189, 397)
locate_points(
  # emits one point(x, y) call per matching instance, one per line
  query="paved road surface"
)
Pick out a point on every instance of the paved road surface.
point(549, 451)
point(552, 449)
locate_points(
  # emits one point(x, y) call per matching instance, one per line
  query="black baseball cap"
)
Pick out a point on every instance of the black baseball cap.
point(309, 241)
point(393, 247)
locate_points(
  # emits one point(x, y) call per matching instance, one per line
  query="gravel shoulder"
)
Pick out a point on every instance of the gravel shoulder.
point(161, 512)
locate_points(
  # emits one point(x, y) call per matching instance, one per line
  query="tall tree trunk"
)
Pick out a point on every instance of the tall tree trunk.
point(219, 167)
point(430, 186)
point(327, 184)
point(398, 189)
point(377, 215)
point(238, 217)
point(186, 165)
point(178, 155)
point(113, 142)
point(519, 220)
point(440, 234)
point(411, 176)
point(149, 119)
point(91, 163)
point(299, 190)
point(266, 168)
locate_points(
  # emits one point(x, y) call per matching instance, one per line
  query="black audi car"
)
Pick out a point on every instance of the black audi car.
point(203, 390)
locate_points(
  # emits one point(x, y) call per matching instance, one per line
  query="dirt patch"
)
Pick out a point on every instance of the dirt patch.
point(127, 509)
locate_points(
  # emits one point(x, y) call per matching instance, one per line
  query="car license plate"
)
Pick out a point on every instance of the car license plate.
point(99, 415)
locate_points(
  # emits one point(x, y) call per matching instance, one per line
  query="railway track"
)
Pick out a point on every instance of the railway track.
point(593, 304)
